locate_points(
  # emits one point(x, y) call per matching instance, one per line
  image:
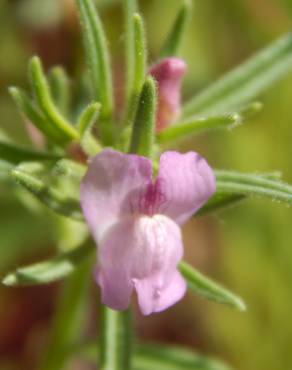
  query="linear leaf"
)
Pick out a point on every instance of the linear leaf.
point(169, 357)
point(98, 61)
point(233, 187)
point(153, 356)
point(207, 288)
point(264, 180)
point(140, 53)
point(197, 124)
point(27, 107)
point(5, 168)
point(49, 196)
point(60, 88)
point(14, 154)
point(129, 7)
point(254, 190)
point(143, 130)
point(246, 81)
point(88, 117)
point(220, 201)
point(44, 99)
point(174, 38)
point(230, 182)
point(50, 270)
point(139, 68)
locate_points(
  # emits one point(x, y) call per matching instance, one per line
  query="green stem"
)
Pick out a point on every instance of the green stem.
point(115, 340)
point(67, 322)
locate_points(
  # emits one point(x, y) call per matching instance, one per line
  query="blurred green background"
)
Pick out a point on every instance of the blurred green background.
point(247, 248)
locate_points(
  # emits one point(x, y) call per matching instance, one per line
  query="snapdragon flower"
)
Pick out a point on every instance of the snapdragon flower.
point(135, 222)
point(168, 74)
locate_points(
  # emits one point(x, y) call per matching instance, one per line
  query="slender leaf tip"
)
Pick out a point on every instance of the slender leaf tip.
point(209, 289)
point(35, 64)
point(187, 5)
point(12, 91)
point(246, 112)
point(9, 280)
point(137, 17)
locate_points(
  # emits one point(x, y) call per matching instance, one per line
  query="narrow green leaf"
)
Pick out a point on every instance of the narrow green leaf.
point(220, 201)
point(197, 124)
point(60, 88)
point(88, 117)
point(51, 270)
point(98, 61)
point(51, 197)
point(207, 288)
point(140, 53)
point(254, 190)
point(44, 99)
point(143, 130)
point(5, 168)
point(14, 154)
point(174, 38)
point(275, 175)
point(225, 198)
point(235, 183)
point(245, 82)
point(169, 357)
point(267, 180)
point(149, 356)
point(129, 7)
point(114, 340)
point(35, 116)
point(139, 71)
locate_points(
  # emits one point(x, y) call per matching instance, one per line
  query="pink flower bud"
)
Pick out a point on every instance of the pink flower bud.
point(168, 73)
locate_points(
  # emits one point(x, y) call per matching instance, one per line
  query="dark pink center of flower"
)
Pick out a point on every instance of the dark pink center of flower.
point(149, 201)
point(153, 199)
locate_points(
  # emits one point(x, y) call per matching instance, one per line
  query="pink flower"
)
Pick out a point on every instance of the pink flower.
point(168, 73)
point(136, 221)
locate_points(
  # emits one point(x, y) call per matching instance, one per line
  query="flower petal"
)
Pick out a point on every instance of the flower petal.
point(186, 182)
point(141, 252)
point(152, 301)
point(111, 178)
point(168, 73)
